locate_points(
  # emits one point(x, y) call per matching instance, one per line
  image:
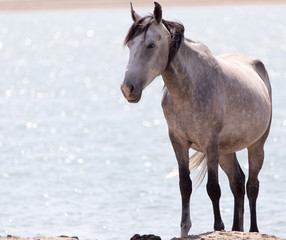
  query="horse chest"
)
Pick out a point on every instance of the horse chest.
point(182, 120)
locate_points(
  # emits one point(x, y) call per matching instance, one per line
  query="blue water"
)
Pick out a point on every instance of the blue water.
point(77, 159)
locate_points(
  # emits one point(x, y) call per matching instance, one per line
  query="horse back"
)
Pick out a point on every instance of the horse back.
point(247, 61)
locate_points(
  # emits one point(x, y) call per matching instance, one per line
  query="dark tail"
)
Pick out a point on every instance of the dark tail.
point(197, 159)
point(262, 72)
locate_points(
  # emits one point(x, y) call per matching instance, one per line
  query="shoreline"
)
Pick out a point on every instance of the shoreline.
point(18, 5)
point(217, 235)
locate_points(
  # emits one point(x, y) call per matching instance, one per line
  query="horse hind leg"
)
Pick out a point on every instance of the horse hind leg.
point(255, 158)
point(231, 167)
point(255, 161)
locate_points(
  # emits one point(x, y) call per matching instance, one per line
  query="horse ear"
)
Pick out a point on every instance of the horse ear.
point(157, 12)
point(135, 16)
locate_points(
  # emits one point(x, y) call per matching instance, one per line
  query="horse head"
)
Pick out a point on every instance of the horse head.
point(148, 40)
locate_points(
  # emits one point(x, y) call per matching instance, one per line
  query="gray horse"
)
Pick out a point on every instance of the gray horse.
point(216, 105)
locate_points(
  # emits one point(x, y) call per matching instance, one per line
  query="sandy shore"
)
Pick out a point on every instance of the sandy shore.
point(219, 235)
point(82, 4)
point(231, 236)
point(205, 236)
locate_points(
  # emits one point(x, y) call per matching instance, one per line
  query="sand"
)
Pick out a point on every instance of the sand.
point(230, 236)
point(89, 4)
point(219, 235)
point(222, 235)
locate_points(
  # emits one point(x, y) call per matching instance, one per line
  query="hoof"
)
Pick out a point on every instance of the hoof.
point(237, 229)
point(254, 229)
point(219, 226)
point(185, 228)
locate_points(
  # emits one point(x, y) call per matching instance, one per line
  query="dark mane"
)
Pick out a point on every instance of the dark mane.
point(177, 35)
point(176, 31)
point(138, 27)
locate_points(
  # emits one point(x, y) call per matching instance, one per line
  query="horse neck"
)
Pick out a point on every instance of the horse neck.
point(184, 71)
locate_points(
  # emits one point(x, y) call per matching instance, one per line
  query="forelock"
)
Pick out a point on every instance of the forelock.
point(138, 27)
point(175, 29)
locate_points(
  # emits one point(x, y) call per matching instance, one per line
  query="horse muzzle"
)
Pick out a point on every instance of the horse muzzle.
point(131, 92)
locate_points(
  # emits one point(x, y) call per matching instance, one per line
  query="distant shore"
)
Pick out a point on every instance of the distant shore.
point(10, 5)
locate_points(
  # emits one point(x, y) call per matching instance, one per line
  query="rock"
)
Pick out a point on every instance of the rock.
point(145, 237)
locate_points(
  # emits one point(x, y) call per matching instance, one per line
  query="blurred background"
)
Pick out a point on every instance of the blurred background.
point(77, 159)
point(81, 4)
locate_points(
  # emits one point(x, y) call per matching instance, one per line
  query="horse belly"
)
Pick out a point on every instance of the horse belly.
point(232, 141)
point(246, 120)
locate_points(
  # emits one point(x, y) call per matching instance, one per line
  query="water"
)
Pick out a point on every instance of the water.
point(77, 159)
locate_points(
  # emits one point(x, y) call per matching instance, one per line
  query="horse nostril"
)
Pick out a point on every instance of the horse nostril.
point(131, 88)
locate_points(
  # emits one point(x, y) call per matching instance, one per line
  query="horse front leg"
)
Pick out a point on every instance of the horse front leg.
point(213, 187)
point(181, 150)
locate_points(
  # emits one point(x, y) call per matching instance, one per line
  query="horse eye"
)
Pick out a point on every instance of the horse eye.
point(152, 45)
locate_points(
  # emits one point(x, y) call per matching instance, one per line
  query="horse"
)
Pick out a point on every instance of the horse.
point(216, 105)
